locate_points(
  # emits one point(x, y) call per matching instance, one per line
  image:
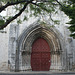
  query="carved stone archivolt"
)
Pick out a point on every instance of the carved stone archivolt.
point(28, 37)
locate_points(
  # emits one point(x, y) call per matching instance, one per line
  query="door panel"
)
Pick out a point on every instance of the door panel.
point(40, 56)
point(45, 61)
point(40, 45)
point(36, 66)
point(36, 55)
point(35, 61)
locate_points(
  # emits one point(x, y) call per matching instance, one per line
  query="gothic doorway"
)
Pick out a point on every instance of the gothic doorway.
point(40, 49)
point(40, 56)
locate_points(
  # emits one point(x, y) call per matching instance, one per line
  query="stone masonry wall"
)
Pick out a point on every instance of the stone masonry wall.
point(4, 38)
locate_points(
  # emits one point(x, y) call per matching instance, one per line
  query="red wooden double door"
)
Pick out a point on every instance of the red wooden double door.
point(40, 56)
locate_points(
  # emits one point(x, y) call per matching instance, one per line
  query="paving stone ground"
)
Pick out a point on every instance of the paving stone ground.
point(36, 73)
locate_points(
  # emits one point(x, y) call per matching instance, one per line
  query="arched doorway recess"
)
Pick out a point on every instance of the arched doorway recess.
point(25, 44)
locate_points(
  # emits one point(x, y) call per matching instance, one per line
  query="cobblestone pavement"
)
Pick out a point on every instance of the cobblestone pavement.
point(37, 73)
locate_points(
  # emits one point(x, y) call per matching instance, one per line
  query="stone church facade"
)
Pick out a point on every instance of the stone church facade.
point(22, 50)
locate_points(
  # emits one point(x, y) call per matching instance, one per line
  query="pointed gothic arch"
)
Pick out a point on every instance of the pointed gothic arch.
point(26, 39)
